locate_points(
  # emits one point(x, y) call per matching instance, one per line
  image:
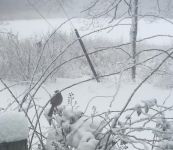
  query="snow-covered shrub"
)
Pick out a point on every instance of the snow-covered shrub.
point(166, 136)
point(19, 58)
point(165, 145)
point(72, 129)
point(144, 125)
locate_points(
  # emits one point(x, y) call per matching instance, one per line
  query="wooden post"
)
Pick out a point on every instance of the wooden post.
point(86, 54)
point(19, 145)
point(13, 131)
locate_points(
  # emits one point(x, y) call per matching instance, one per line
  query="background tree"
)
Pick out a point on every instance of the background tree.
point(130, 10)
point(133, 35)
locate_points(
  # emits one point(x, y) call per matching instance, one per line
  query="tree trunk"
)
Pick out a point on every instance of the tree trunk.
point(133, 35)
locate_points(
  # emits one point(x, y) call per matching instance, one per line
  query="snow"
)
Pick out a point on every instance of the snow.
point(100, 93)
point(13, 127)
point(83, 131)
point(88, 145)
point(147, 28)
point(166, 145)
point(79, 130)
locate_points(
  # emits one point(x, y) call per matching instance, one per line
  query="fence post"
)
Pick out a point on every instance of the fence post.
point(19, 145)
point(86, 55)
point(13, 131)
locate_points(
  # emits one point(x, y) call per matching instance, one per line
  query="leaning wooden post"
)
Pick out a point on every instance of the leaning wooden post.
point(13, 131)
point(86, 55)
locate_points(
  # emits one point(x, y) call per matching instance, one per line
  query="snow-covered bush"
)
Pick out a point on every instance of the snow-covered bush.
point(19, 58)
point(72, 129)
point(144, 125)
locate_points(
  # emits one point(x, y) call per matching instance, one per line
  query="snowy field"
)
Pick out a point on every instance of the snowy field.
point(101, 93)
point(95, 94)
point(39, 28)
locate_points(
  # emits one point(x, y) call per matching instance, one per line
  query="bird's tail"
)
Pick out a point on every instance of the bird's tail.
point(51, 111)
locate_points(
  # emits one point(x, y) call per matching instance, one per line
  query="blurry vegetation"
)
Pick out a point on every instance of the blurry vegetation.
point(19, 59)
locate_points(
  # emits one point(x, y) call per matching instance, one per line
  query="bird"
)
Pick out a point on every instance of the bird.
point(55, 101)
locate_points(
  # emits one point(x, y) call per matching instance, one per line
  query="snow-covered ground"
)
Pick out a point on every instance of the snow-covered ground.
point(100, 93)
point(84, 92)
point(37, 28)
